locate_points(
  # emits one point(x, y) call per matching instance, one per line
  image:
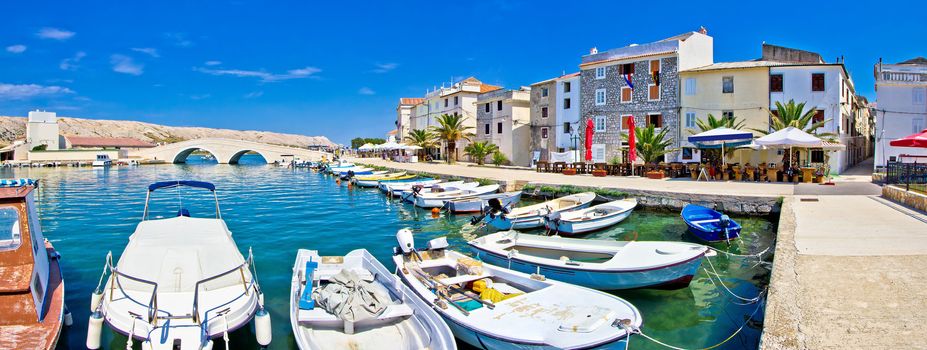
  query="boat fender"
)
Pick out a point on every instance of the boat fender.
point(208, 345)
point(95, 299)
point(94, 330)
point(262, 331)
point(68, 319)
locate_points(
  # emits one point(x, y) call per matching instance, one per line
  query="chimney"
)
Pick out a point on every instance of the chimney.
point(702, 30)
point(593, 50)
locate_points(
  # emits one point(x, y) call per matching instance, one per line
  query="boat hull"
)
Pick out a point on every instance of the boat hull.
point(673, 276)
point(569, 228)
point(477, 205)
point(703, 224)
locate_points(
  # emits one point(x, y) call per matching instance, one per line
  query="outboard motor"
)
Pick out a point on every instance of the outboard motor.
point(725, 221)
point(406, 241)
point(495, 206)
point(553, 218)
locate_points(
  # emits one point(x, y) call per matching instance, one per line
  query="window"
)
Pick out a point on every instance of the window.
point(690, 86)
point(727, 114)
point(598, 153)
point(655, 66)
point(727, 85)
point(487, 108)
point(499, 105)
point(624, 121)
point(10, 237)
point(566, 103)
point(627, 68)
point(600, 97)
point(686, 153)
point(566, 86)
point(544, 133)
point(456, 100)
point(775, 83)
point(486, 128)
point(499, 127)
point(445, 102)
point(625, 94)
point(655, 119)
point(817, 155)
point(567, 128)
point(818, 116)
point(653, 92)
point(599, 124)
point(817, 82)
point(600, 73)
point(918, 96)
point(690, 119)
point(543, 112)
point(917, 125)
point(544, 92)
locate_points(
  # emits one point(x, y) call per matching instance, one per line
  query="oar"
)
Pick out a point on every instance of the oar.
point(461, 291)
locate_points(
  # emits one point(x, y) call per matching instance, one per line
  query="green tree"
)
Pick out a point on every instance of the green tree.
point(360, 141)
point(451, 129)
point(650, 144)
point(422, 138)
point(713, 123)
point(498, 158)
point(479, 150)
point(794, 115)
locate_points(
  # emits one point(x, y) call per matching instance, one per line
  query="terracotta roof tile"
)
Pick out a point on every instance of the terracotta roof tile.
point(411, 100)
point(487, 88)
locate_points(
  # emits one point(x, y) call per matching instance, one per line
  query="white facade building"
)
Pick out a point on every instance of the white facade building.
point(459, 98)
point(504, 119)
point(42, 129)
point(568, 102)
point(404, 116)
point(901, 91)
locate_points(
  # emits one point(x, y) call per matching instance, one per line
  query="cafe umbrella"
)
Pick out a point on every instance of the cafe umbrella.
point(721, 138)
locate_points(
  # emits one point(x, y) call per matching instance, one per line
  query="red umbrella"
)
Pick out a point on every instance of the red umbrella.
point(632, 142)
point(916, 140)
point(590, 129)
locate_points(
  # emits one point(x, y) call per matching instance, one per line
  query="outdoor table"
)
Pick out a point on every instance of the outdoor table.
point(580, 167)
point(763, 172)
point(807, 174)
point(543, 166)
point(675, 170)
point(749, 171)
point(558, 167)
point(693, 171)
point(599, 166)
point(738, 176)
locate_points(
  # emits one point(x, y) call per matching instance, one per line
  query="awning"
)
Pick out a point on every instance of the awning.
point(916, 140)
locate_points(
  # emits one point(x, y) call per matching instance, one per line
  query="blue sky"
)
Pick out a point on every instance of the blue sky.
point(337, 68)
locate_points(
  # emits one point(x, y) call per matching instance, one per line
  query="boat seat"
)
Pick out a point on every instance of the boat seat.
point(699, 222)
point(462, 279)
point(321, 317)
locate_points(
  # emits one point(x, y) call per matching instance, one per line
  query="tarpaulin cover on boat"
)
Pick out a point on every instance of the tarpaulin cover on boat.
point(351, 297)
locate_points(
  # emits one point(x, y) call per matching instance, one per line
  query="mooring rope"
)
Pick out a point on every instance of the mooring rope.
point(748, 300)
point(757, 255)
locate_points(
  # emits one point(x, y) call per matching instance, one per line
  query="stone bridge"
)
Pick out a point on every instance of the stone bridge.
point(226, 151)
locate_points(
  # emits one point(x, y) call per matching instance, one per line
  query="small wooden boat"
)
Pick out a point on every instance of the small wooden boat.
point(532, 216)
point(709, 225)
point(379, 177)
point(438, 199)
point(179, 283)
point(393, 317)
point(415, 191)
point(594, 218)
point(480, 203)
point(491, 307)
point(32, 310)
point(597, 264)
point(397, 187)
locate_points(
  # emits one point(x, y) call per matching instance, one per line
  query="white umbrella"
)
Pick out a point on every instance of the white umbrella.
point(366, 147)
point(788, 138)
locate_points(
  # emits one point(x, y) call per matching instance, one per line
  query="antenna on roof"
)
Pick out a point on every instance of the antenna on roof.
point(702, 30)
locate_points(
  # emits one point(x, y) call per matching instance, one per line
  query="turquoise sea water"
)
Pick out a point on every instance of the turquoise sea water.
point(88, 212)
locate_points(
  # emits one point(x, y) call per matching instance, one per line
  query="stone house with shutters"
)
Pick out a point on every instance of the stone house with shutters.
point(543, 118)
point(503, 118)
point(640, 82)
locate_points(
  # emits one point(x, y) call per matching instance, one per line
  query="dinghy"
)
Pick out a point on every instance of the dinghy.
point(386, 176)
point(396, 187)
point(480, 203)
point(709, 225)
point(438, 199)
point(594, 218)
point(32, 310)
point(415, 191)
point(179, 283)
point(326, 311)
point(532, 216)
point(597, 264)
point(491, 307)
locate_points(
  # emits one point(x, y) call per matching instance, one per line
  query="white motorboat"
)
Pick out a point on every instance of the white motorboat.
point(102, 160)
point(491, 307)
point(598, 264)
point(532, 216)
point(594, 218)
point(438, 199)
point(480, 203)
point(409, 196)
point(180, 283)
point(397, 187)
point(392, 316)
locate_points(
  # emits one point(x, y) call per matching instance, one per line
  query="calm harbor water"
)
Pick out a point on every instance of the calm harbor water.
point(88, 212)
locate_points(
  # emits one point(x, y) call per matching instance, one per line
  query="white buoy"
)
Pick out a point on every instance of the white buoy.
point(68, 319)
point(262, 327)
point(95, 299)
point(208, 345)
point(94, 330)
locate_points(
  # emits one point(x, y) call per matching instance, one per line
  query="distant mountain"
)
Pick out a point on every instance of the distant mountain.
point(13, 128)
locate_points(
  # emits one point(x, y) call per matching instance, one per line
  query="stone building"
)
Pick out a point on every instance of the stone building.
point(640, 82)
point(503, 118)
point(543, 118)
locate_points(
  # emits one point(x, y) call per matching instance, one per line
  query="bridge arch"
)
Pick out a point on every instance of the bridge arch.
point(181, 157)
point(237, 156)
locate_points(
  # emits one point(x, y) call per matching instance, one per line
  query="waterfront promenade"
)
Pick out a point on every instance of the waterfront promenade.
point(848, 268)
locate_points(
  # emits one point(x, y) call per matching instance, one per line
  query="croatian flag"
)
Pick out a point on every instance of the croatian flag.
point(627, 79)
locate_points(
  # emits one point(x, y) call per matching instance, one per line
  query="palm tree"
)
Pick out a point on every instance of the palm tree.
point(794, 115)
point(650, 144)
point(479, 150)
point(451, 129)
point(421, 138)
point(713, 123)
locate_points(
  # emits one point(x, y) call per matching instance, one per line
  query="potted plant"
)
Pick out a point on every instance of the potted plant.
point(655, 174)
point(569, 171)
point(650, 145)
point(599, 172)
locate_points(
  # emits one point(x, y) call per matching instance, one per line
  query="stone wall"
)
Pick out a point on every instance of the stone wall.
point(740, 205)
point(640, 106)
point(898, 194)
point(537, 122)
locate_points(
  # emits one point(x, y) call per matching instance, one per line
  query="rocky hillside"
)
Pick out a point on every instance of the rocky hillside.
point(12, 128)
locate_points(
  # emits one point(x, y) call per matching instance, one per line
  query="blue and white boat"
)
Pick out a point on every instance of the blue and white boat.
point(491, 307)
point(396, 188)
point(590, 219)
point(480, 203)
point(534, 216)
point(413, 193)
point(710, 225)
point(597, 264)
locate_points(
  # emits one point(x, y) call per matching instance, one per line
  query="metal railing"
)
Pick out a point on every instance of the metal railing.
point(911, 175)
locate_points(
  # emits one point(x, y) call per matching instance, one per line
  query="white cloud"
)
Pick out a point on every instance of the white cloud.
point(125, 64)
point(71, 63)
point(254, 94)
point(384, 67)
point(366, 91)
point(25, 91)
point(16, 48)
point(178, 39)
point(150, 51)
point(200, 97)
point(213, 63)
point(264, 76)
point(54, 33)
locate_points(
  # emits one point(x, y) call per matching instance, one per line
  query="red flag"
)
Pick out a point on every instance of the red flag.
point(590, 129)
point(632, 142)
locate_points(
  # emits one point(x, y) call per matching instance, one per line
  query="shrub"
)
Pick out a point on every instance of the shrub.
point(41, 147)
point(499, 159)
